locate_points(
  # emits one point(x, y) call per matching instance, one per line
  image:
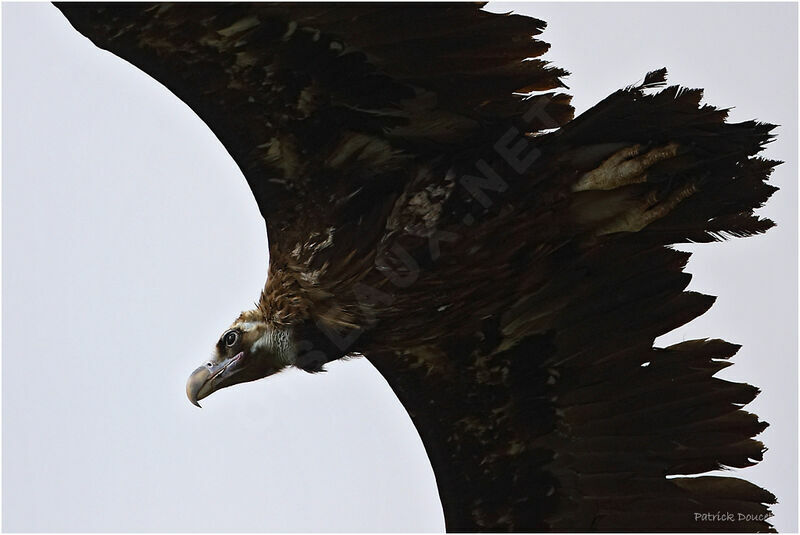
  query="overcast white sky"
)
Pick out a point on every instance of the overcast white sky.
point(130, 240)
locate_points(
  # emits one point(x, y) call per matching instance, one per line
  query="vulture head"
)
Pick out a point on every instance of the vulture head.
point(249, 349)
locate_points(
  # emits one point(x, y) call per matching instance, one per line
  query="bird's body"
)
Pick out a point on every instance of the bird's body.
point(505, 267)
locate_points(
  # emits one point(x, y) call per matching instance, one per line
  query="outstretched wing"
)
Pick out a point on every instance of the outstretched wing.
point(557, 413)
point(332, 111)
point(509, 284)
point(308, 96)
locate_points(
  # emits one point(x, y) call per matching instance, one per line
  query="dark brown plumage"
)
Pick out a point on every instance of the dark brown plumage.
point(508, 280)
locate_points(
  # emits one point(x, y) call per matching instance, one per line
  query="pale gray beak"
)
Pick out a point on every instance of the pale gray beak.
point(195, 384)
point(210, 377)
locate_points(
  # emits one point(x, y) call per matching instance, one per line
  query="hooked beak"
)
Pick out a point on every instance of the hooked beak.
point(209, 378)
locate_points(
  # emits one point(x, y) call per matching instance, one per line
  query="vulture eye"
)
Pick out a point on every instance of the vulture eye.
point(230, 338)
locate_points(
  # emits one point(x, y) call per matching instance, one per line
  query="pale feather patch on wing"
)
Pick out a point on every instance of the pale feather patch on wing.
point(290, 29)
point(239, 26)
point(307, 101)
point(624, 167)
point(427, 204)
point(281, 154)
point(364, 149)
point(304, 252)
point(648, 211)
point(311, 277)
point(419, 208)
point(246, 59)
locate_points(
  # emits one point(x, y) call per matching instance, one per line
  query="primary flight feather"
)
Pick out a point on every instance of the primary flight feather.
point(432, 205)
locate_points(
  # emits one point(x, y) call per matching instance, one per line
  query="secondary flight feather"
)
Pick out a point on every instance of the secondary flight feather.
point(432, 205)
